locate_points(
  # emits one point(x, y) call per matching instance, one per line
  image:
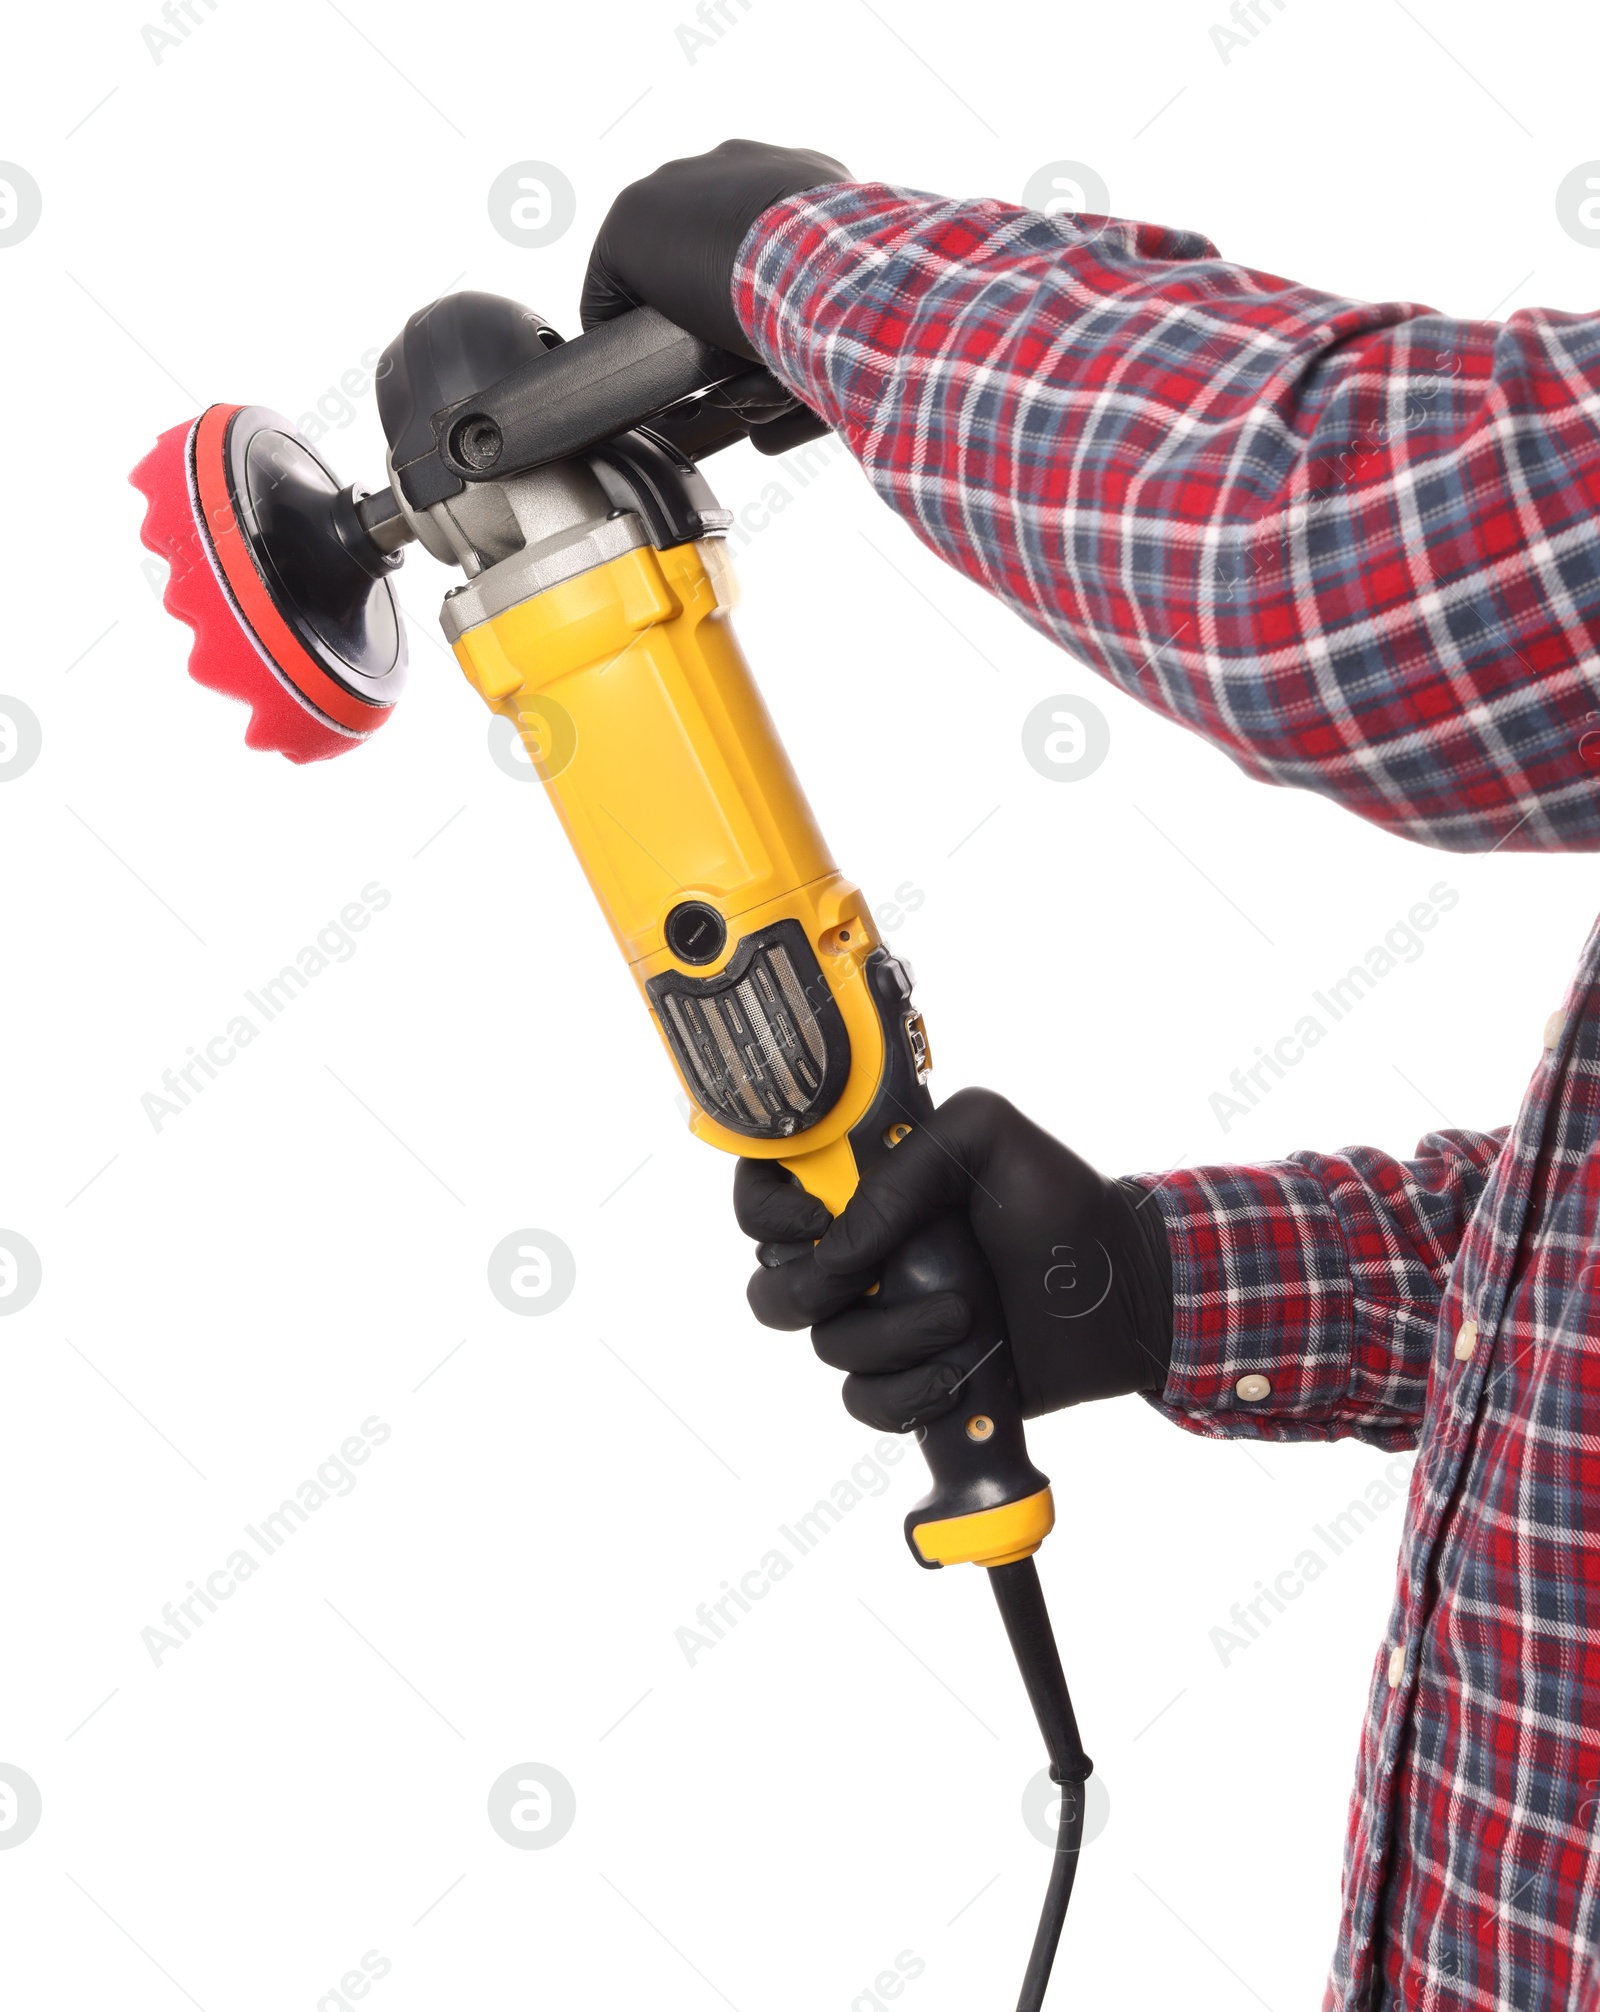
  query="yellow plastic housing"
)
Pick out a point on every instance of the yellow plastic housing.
point(629, 689)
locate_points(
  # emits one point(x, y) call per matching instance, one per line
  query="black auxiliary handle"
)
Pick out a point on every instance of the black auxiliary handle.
point(558, 398)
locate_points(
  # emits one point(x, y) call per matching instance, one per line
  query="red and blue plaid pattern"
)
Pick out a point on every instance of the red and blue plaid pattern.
point(1359, 548)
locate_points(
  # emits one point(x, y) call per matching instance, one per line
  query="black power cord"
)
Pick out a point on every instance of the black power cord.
point(1020, 1599)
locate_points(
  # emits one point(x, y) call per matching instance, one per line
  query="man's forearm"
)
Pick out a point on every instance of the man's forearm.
point(1311, 529)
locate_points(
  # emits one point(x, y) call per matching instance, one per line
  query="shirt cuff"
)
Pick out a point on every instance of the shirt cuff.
point(1268, 1341)
point(790, 253)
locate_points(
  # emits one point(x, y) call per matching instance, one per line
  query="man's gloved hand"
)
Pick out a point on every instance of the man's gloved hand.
point(1084, 1272)
point(669, 241)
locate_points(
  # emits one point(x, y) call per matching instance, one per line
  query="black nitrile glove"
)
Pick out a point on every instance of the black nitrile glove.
point(1083, 1269)
point(669, 241)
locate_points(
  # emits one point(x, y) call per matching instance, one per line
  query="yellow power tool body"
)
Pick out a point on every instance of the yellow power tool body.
point(563, 480)
point(791, 1027)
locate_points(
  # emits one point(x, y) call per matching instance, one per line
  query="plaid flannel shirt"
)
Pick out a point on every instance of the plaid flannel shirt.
point(1356, 546)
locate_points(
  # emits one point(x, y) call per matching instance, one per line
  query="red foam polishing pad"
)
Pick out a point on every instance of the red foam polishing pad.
point(242, 646)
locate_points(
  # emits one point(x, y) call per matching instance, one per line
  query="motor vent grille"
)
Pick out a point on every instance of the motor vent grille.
point(762, 1045)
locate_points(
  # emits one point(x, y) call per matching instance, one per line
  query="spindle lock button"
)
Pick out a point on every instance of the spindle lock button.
point(695, 932)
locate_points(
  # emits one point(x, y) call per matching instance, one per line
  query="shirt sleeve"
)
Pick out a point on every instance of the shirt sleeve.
point(1306, 1292)
point(1356, 546)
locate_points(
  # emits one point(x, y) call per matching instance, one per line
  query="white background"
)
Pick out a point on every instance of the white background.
point(230, 1297)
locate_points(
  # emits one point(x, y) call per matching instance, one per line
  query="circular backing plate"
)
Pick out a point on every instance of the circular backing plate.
point(283, 496)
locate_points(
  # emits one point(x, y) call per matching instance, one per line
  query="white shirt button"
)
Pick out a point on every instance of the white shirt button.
point(1251, 1389)
point(1553, 1027)
point(1466, 1340)
point(1397, 1662)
